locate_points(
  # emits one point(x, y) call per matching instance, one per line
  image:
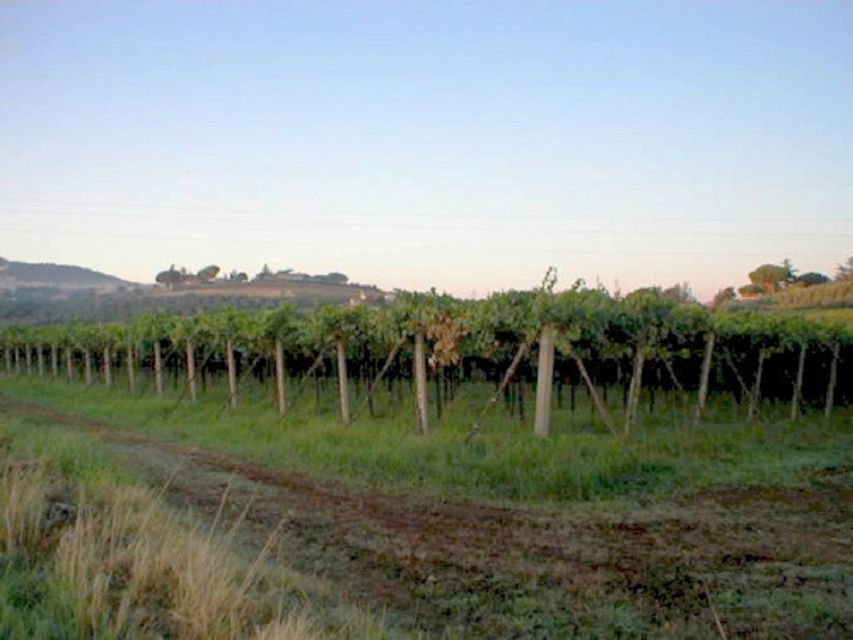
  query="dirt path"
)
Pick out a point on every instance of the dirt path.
point(463, 569)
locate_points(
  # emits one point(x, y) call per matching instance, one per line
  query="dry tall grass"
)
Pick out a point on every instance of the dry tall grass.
point(128, 567)
point(22, 504)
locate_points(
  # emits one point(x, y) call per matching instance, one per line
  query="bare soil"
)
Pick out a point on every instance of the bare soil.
point(753, 562)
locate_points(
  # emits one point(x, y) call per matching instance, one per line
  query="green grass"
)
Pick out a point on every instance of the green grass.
point(67, 454)
point(30, 605)
point(33, 603)
point(579, 461)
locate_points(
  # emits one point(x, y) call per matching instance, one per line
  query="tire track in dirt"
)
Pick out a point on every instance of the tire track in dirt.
point(472, 569)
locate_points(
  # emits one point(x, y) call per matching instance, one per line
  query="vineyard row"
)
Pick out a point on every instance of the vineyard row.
point(581, 335)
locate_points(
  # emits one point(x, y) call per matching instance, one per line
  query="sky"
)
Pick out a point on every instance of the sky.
point(462, 145)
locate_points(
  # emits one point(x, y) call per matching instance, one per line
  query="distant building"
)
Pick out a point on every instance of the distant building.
point(364, 296)
point(289, 276)
point(361, 298)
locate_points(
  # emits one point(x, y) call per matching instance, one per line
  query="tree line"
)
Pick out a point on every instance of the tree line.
point(174, 277)
point(769, 279)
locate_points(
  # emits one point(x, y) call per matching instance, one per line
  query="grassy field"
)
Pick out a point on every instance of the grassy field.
point(87, 550)
point(580, 461)
point(679, 531)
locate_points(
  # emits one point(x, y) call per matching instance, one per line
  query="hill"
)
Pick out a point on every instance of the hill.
point(832, 295)
point(275, 289)
point(832, 301)
point(61, 277)
point(39, 294)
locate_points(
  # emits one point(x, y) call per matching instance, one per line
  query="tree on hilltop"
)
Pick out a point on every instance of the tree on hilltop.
point(680, 293)
point(170, 277)
point(208, 273)
point(265, 273)
point(724, 296)
point(769, 278)
point(810, 279)
point(845, 271)
point(751, 290)
point(337, 278)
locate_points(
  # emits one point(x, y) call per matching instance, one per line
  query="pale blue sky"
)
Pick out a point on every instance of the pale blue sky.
point(464, 145)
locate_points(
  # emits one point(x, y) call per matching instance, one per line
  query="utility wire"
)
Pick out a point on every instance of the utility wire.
point(269, 227)
point(555, 215)
point(385, 248)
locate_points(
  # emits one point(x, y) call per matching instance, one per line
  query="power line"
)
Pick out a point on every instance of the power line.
point(555, 215)
point(384, 248)
point(432, 226)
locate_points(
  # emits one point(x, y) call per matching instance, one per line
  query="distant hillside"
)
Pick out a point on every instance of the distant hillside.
point(33, 304)
point(832, 295)
point(308, 290)
point(26, 275)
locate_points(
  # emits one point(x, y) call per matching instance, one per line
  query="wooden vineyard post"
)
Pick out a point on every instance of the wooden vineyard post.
point(436, 377)
point(232, 373)
point(131, 368)
point(343, 382)
point(191, 382)
point(158, 368)
point(755, 396)
point(374, 385)
point(17, 361)
point(307, 377)
point(87, 367)
point(421, 384)
point(316, 390)
point(744, 390)
point(798, 384)
point(600, 407)
point(108, 371)
point(28, 358)
point(544, 381)
point(493, 399)
point(8, 359)
point(710, 338)
point(634, 389)
point(279, 377)
point(40, 359)
point(675, 381)
point(833, 375)
point(54, 360)
point(69, 363)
